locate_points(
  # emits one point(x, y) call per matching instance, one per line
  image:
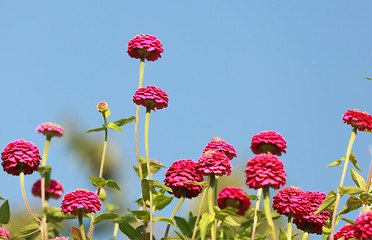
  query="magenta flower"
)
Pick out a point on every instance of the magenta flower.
point(363, 226)
point(54, 190)
point(177, 176)
point(235, 198)
point(346, 231)
point(265, 169)
point(213, 162)
point(151, 96)
point(293, 200)
point(4, 233)
point(60, 238)
point(362, 121)
point(268, 141)
point(219, 144)
point(145, 46)
point(20, 156)
point(50, 129)
point(80, 201)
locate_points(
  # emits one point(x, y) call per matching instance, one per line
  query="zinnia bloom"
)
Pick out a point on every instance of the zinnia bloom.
point(291, 199)
point(151, 96)
point(60, 238)
point(315, 223)
point(362, 121)
point(80, 200)
point(177, 176)
point(145, 46)
point(219, 144)
point(268, 141)
point(20, 156)
point(54, 190)
point(234, 197)
point(346, 231)
point(213, 162)
point(265, 169)
point(50, 129)
point(4, 233)
point(363, 226)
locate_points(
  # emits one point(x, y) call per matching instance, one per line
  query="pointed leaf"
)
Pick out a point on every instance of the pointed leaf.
point(184, 226)
point(145, 189)
point(107, 113)
point(160, 185)
point(96, 130)
point(144, 215)
point(112, 184)
point(161, 201)
point(115, 127)
point(4, 213)
point(27, 230)
point(1, 198)
point(350, 190)
point(335, 163)
point(198, 183)
point(180, 235)
point(128, 230)
point(354, 161)
point(352, 204)
point(352, 222)
point(98, 181)
point(367, 78)
point(205, 220)
point(359, 180)
point(331, 198)
point(76, 234)
point(163, 219)
point(105, 216)
point(124, 121)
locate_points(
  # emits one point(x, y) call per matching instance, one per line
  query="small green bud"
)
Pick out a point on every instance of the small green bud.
point(102, 107)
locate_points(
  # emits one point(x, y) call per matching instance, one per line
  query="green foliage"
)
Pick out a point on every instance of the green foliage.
point(76, 234)
point(327, 202)
point(205, 220)
point(27, 230)
point(359, 180)
point(351, 158)
point(128, 230)
point(113, 125)
point(160, 201)
point(107, 216)
point(352, 222)
point(352, 204)
point(350, 190)
point(368, 78)
point(144, 215)
point(4, 213)
point(101, 182)
point(54, 214)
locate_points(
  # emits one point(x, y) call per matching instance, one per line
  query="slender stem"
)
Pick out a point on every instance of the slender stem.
point(338, 196)
point(147, 123)
point(199, 211)
point(368, 185)
point(304, 237)
point(116, 228)
point(22, 182)
point(255, 219)
point(45, 182)
point(174, 214)
point(289, 226)
point(81, 225)
point(268, 211)
point(211, 185)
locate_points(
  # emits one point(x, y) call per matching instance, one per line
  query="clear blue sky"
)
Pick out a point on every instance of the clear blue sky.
point(231, 69)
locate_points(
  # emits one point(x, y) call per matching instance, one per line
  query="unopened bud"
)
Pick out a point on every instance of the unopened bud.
point(102, 107)
point(102, 194)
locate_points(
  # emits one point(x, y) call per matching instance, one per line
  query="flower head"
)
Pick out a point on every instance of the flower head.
point(363, 226)
point(60, 238)
point(233, 197)
point(145, 46)
point(102, 107)
point(213, 162)
point(20, 156)
point(362, 121)
point(80, 200)
point(219, 144)
point(50, 129)
point(268, 141)
point(265, 169)
point(151, 96)
point(54, 190)
point(291, 199)
point(346, 231)
point(177, 176)
point(4, 233)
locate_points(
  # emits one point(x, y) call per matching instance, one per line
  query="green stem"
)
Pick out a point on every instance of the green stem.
point(116, 228)
point(368, 185)
point(81, 225)
point(259, 192)
point(289, 226)
point(304, 237)
point(268, 211)
point(45, 181)
point(199, 212)
point(147, 123)
point(338, 196)
point(174, 214)
point(211, 185)
point(22, 182)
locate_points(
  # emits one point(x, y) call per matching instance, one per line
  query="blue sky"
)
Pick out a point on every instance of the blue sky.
point(231, 69)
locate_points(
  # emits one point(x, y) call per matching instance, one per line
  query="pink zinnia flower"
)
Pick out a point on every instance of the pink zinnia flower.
point(54, 190)
point(151, 96)
point(363, 226)
point(362, 121)
point(234, 197)
point(80, 200)
point(291, 199)
point(145, 46)
point(177, 176)
point(268, 141)
point(4, 233)
point(213, 162)
point(346, 231)
point(219, 144)
point(265, 169)
point(50, 129)
point(60, 238)
point(315, 223)
point(20, 156)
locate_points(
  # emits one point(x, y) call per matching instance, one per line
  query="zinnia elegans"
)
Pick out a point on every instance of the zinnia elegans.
point(151, 96)
point(346, 231)
point(20, 156)
point(4, 233)
point(265, 169)
point(177, 176)
point(219, 144)
point(60, 238)
point(213, 162)
point(54, 190)
point(234, 197)
point(268, 141)
point(362, 121)
point(291, 199)
point(363, 226)
point(80, 200)
point(50, 129)
point(145, 46)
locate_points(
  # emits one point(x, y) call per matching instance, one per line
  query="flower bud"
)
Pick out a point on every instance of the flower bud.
point(102, 107)
point(102, 194)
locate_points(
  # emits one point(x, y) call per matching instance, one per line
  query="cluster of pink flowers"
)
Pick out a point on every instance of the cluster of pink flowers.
point(50, 129)
point(55, 189)
point(152, 97)
point(80, 201)
point(4, 233)
point(145, 46)
point(346, 231)
point(60, 238)
point(362, 121)
point(234, 197)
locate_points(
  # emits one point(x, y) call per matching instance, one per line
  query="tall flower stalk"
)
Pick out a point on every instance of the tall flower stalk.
point(255, 218)
point(45, 180)
point(268, 211)
point(174, 214)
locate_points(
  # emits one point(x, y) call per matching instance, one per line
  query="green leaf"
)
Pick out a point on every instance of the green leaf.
point(180, 235)
point(252, 197)
point(161, 201)
point(27, 230)
point(354, 161)
point(4, 213)
point(205, 220)
point(96, 130)
point(144, 215)
point(112, 184)
point(225, 217)
point(198, 183)
point(98, 181)
point(107, 113)
point(163, 219)
point(350, 190)
point(352, 222)
point(160, 185)
point(328, 201)
point(1, 198)
point(128, 230)
point(55, 214)
point(144, 170)
point(76, 234)
point(124, 121)
point(359, 180)
point(145, 189)
point(106, 216)
point(368, 78)
point(115, 127)
point(352, 204)
point(184, 226)
point(335, 163)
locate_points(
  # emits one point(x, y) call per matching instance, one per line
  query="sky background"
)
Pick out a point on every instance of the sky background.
point(231, 69)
